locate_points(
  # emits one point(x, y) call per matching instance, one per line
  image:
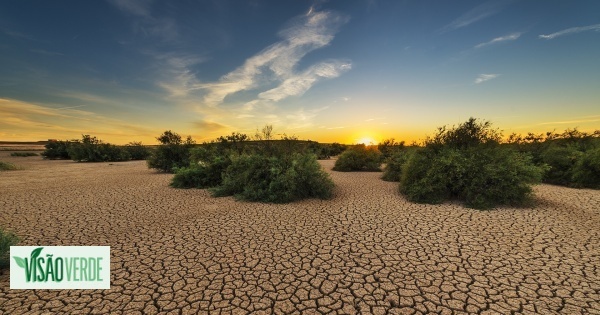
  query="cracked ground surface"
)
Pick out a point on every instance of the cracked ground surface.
point(367, 250)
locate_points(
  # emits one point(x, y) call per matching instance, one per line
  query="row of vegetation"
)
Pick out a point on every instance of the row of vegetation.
point(471, 163)
point(264, 169)
point(92, 149)
point(24, 154)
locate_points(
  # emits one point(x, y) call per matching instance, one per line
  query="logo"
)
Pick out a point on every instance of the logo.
point(60, 267)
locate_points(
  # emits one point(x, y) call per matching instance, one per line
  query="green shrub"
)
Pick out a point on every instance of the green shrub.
point(466, 163)
point(7, 239)
point(389, 147)
point(204, 174)
point(561, 161)
point(91, 149)
point(137, 151)
point(57, 150)
point(23, 154)
point(172, 153)
point(394, 164)
point(276, 179)
point(336, 149)
point(359, 158)
point(5, 166)
point(586, 172)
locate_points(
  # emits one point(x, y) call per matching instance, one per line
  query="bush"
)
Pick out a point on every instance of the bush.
point(586, 172)
point(172, 153)
point(394, 164)
point(359, 158)
point(7, 239)
point(137, 151)
point(389, 147)
point(466, 163)
point(91, 149)
point(277, 179)
point(5, 166)
point(57, 150)
point(203, 174)
point(23, 154)
point(561, 161)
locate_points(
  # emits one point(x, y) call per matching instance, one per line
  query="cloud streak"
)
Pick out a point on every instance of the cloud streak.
point(278, 61)
point(476, 14)
point(485, 77)
point(572, 30)
point(510, 37)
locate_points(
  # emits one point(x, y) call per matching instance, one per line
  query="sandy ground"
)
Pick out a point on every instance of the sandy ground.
point(366, 251)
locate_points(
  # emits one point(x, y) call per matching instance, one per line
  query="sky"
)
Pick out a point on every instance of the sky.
point(344, 71)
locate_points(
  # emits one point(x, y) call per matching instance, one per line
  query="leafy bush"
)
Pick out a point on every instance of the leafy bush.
point(173, 152)
point(466, 163)
point(57, 150)
point(336, 149)
point(586, 172)
point(394, 164)
point(561, 161)
point(137, 151)
point(5, 166)
point(7, 239)
point(23, 154)
point(91, 149)
point(389, 147)
point(359, 158)
point(205, 173)
point(277, 179)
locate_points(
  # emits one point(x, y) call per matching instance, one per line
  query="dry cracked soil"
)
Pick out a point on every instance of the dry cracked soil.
point(367, 250)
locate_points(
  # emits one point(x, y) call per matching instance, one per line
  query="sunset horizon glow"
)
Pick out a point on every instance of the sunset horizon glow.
point(328, 71)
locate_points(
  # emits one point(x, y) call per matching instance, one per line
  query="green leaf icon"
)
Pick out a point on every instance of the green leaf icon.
point(20, 261)
point(36, 252)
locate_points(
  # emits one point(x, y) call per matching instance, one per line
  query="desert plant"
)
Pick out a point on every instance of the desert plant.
point(173, 152)
point(5, 166)
point(561, 161)
point(276, 179)
point(23, 154)
point(205, 173)
point(136, 151)
point(394, 164)
point(359, 158)
point(467, 163)
point(57, 150)
point(586, 172)
point(389, 147)
point(7, 239)
point(91, 149)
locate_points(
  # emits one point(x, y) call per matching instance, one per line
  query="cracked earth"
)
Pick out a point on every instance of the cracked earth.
point(366, 251)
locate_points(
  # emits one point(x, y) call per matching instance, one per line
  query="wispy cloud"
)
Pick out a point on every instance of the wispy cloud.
point(588, 119)
point(478, 13)
point(209, 126)
point(278, 61)
point(485, 77)
point(510, 37)
point(299, 83)
point(572, 30)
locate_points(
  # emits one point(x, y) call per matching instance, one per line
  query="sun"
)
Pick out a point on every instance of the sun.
point(366, 141)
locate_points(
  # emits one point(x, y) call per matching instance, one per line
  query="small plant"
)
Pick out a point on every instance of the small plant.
point(586, 172)
point(23, 154)
point(467, 163)
point(389, 147)
point(91, 149)
point(359, 158)
point(561, 161)
point(5, 166)
point(393, 168)
point(7, 239)
point(57, 150)
point(137, 151)
point(172, 153)
point(276, 179)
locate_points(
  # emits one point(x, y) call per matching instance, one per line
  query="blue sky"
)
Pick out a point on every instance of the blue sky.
point(127, 70)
